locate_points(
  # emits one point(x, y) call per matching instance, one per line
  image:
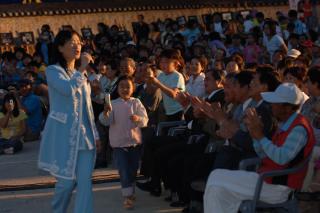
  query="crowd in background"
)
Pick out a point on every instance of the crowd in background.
point(207, 75)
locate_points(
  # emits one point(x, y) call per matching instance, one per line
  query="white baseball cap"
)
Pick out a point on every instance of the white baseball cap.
point(285, 93)
point(293, 53)
point(131, 43)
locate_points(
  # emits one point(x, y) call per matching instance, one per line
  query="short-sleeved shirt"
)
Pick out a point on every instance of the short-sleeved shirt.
point(172, 80)
point(13, 127)
point(33, 105)
point(273, 44)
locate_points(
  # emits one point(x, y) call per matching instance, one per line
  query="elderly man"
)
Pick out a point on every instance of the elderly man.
point(291, 144)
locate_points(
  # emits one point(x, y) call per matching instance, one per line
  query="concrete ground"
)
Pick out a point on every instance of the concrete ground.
point(21, 170)
point(107, 199)
point(22, 164)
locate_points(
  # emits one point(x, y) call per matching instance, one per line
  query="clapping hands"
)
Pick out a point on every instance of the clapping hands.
point(254, 124)
point(184, 99)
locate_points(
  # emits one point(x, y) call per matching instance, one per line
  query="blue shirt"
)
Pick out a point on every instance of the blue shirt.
point(293, 144)
point(300, 27)
point(172, 80)
point(33, 105)
point(45, 52)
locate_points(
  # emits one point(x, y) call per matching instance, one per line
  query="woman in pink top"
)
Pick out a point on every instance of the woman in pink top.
point(125, 116)
point(252, 51)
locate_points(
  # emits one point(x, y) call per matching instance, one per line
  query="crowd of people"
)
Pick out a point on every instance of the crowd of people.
point(246, 87)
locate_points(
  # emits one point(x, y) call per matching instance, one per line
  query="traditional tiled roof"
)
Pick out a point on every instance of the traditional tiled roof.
point(16, 10)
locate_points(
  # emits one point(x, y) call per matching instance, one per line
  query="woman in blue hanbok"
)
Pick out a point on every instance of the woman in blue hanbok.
point(69, 138)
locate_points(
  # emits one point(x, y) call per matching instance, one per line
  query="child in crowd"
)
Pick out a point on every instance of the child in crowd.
point(125, 116)
point(12, 124)
point(170, 82)
point(251, 51)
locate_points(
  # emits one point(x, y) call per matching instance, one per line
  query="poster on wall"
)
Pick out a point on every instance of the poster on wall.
point(87, 33)
point(226, 16)
point(181, 20)
point(193, 18)
point(26, 37)
point(293, 4)
point(6, 38)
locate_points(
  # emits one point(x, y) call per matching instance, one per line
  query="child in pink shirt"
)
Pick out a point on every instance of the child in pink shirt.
point(252, 51)
point(125, 116)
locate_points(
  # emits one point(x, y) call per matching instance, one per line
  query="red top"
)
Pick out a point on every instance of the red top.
point(295, 180)
point(307, 9)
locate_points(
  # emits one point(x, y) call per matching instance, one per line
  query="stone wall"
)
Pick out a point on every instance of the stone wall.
point(33, 23)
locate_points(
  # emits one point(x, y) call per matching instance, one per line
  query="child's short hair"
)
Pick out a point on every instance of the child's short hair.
point(127, 78)
point(203, 61)
point(173, 54)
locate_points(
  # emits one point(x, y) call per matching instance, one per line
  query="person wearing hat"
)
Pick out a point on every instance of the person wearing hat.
point(292, 143)
point(293, 53)
point(31, 104)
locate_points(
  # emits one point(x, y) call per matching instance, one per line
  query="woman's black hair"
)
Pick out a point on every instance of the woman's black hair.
point(126, 78)
point(62, 37)
point(299, 73)
point(114, 65)
point(244, 78)
point(272, 27)
point(314, 75)
point(218, 75)
point(270, 78)
point(7, 98)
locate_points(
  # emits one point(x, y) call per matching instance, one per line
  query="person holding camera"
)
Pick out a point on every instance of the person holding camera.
point(12, 124)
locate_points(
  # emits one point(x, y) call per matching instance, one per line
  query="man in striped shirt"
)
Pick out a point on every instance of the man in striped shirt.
point(291, 144)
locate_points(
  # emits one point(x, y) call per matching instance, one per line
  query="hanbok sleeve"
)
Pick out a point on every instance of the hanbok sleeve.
point(58, 80)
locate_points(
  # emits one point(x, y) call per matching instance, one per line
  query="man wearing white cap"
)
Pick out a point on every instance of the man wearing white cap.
point(291, 144)
point(293, 53)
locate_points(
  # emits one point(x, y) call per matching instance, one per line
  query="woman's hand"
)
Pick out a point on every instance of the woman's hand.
point(85, 58)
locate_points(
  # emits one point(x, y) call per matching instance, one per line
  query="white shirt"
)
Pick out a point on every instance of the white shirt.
point(218, 27)
point(273, 44)
point(104, 82)
point(248, 25)
point(196, 86)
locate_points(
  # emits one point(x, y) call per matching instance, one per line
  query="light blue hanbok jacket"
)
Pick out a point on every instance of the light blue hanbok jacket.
point(65, 128)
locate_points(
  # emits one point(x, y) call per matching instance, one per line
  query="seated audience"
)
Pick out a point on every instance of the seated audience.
point(12, 124)
point(31, 104)
point(293, 143)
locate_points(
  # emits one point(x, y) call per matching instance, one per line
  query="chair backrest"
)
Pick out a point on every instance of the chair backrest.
point(162, 125)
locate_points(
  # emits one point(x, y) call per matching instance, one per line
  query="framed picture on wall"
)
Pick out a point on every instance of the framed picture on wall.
point(226, 16)
point(87, 33)
point(67, 27)
point(181, 20)
point(27, 37)
point(6, 38)
point(244, 13)
point(193, 18)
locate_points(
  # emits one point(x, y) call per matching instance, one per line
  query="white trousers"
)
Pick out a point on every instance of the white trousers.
point(226, 189)
point(311, 171)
